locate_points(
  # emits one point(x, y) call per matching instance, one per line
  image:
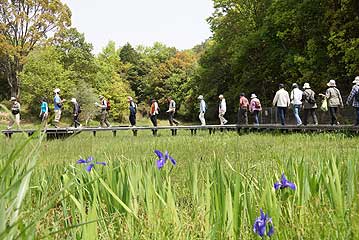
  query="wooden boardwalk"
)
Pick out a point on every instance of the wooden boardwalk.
point(58, 133)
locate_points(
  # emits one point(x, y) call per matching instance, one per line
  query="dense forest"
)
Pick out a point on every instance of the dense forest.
point(255, 45)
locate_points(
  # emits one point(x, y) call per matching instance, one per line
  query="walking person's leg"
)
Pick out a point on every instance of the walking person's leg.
point(314, 116)
point(108, 124)
point(296, 109)
point(170, 118)
point(305, 116)
point(202, 119)
point(256, 119)
point(245, 115)
point(103, 118)
point(332, 111)
point(281, 113)
point(239, 116)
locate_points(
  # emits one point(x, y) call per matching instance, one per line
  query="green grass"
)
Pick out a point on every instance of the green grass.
point(215, 192)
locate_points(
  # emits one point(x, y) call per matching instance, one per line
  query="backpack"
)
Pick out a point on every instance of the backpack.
point(257, 104)
point(311, 99)
point(108, 105)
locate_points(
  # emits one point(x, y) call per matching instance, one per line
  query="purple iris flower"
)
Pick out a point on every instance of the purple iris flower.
point(284, 183)
point(162, 159)
point(260, 225)
point(89, 164)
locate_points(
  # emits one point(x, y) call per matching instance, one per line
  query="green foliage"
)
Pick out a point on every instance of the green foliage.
point(43, 72)
point(110, 83)
point(258, 44)
point(213, 192)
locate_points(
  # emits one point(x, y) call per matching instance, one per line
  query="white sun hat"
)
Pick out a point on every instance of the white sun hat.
point(57, 90)
point(356, 80)
point(253, 95)
point(306, 85)
point(331, 83)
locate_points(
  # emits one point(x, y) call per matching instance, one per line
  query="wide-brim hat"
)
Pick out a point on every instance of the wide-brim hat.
point(253, 95)
point(200, 97)
point(73, 100)
point(56, 90)
point(356, 80)
point(13, 99)
point(306, 85)
point(331, 83)
point(100, 97)
point(221, 96)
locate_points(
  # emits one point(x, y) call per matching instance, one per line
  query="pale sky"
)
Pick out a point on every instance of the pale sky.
point(176, 23)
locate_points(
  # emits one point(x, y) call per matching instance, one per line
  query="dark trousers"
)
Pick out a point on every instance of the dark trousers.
point(243, 116)
point(333, 114)
point(132, 119)
point(357, 112)
point(171, 118)
point(76, 121)
point(256, 118)
point(310, 111)
point(282, 111)
point(104, 119)
point(154, 120)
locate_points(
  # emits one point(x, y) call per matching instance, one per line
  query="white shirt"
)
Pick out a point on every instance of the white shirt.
point(296, 96)
point(281, 98)
point(222, 106)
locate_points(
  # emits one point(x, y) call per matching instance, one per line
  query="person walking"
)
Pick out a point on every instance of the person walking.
point(309, 104)
point(104, 106)
point(154, 111)
point(222, 109)
point(354, 97)
point(44, 110)
point(171, 111)
point(15, 111)
point(296, 99)
point(133, 110)
point(255, 107)
point(58, 105)
point(243, 109)
point(202, 110)
point(335, 101)
point(281, 101)
point(75, 112)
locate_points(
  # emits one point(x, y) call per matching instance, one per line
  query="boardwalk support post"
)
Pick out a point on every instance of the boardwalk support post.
point(134, 133)
point(114, 133)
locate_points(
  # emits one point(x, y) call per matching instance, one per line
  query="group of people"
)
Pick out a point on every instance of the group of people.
point(299, 99)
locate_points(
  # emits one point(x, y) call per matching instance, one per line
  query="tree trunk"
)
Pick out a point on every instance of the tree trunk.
point(13, 79)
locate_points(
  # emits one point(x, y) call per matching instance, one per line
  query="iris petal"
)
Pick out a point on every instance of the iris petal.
point(101, 163)
point(271, 231)
point(89, 159)
point(80, 161)
point(172, 160)
point(89, 167)
point(291, 185)
point(277, 185)
point(159, 154)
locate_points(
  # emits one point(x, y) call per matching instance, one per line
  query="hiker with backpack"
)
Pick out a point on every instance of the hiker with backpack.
point(309, 104)
point(58, 104)
point(243, 109)
point(354, 97)
point(255, 107)
point(76, 112)
point(202, 110)
point(154, 111)
point(105, 108)
point(133, 111)
point(334, 98)
point(15, 111)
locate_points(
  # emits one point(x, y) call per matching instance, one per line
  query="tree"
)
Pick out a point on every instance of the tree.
point(23, 25)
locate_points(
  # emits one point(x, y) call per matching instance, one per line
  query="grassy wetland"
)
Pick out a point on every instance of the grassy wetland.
point(215, 190)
